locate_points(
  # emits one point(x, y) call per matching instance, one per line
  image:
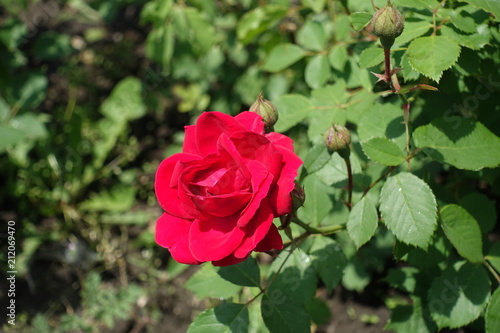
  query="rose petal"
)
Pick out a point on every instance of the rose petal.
point(272, 241)
point(214, 238)
point(280, 140)
point(173, 233)
point(251, 121)
point(189, 144)
point(280, 198)
point(210, 126)
point(222, 205)
point(228, 151)
point(168, 196)
point(229, 260)
point(256, 230)
point(261, 183)
point(203, 180)
point(252, 146)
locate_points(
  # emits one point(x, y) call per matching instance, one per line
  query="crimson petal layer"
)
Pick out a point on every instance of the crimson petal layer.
point(210, 126)
point(280, 198)
point(256, 230)
point(214, 238)
point(272, 241)
point(173, 233)
point(251, 121)
point(168, 196)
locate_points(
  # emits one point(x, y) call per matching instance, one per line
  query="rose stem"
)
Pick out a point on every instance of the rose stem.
point(492, 270)
point(321, 230)
point(387, 56)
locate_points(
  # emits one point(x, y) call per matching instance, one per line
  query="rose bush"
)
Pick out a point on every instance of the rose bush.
point(221, 193)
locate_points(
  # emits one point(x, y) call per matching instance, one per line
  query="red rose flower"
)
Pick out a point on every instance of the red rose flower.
point(221, 193)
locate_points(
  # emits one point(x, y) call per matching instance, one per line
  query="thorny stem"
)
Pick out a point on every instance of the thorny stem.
point(387, 60)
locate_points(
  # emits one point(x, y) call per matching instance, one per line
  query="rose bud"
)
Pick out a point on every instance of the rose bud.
point(338, 139)
point(298, 197)
point(266, 110)
point(387, 24)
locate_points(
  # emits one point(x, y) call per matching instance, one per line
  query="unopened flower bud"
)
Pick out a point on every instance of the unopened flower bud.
point(387, 24)
point(298, 197)
point(338, 139)
point(266, 110)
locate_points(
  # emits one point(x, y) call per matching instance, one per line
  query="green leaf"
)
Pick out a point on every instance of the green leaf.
point(245, 273)
point(491, 6)
point(462, 18)
point(207, 283)
point(328, 260)
point(318, 203)
point(419, 4)
point(9, 136)
point(493, 256)
point(312, 36)
point(119, 199)
point(436, 254)
point(408, 207)
point(256, 21)
point(362, 222)
point(338, 57)
point(317, 71)
point(473, 41)
point(355, 275)
point(404, 278)
point(51, 45)
point(228, 317)
point(160, 45)
point(370, 57)
point(316, 5)
point(125, 101)
point(412, 30)
point(316, 158)
point(327, 101)
point(319, 311)
point(27, 90)
point(411, 318)
point(360, 20)
point(459, 295)
point(383, 151)
point(139, 217)
point(203, 31)
point(463, 143)
point(382, 120)
point(335, 171)
point(463, 232)
point(297, 278)
point(431, 55)
point(283, 314)
point(282, 56)
point(293, 109)
point(493, 313)
point(31, 125)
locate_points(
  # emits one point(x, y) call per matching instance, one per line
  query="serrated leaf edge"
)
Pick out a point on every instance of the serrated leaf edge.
point(441, 74)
